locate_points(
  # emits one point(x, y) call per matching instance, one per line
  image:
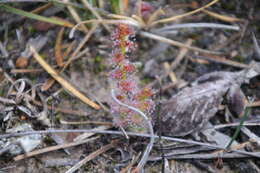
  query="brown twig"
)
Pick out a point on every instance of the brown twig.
point(75, 15)
point(52, 148)
point(174, 18)
point(223, 60)
point(92, 156)
point(183, 51)
point(58, 54)
point(222, 17)
point(14, 71)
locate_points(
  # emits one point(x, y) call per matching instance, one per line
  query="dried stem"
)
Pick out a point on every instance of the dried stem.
point(52, 148)
point(196, 25)
point(92, 156)
point(121, 133)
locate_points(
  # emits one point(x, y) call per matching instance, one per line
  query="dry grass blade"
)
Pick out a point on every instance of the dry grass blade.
point(176, 43)
point(169, 72)
point(183, 51)
point(42, 8)
point(252, 136)
point(14, 71)
point(94, 12)
point(49, 82)
point(206, 156)
point(82, 43)
point(139, 20)
point(7, 101)
point(120, 17)
point(85, 122)
point(75, 16)
point(58, 54)
point(256, 46)
point(52, 148)
point(181, 55)
point(155, 15)
point(222, 17)
point(92, 156)
point(87, 135)
point(174, 27)
point(63, 82)
point(95, 21)
point(223, 60)
point(170, 19)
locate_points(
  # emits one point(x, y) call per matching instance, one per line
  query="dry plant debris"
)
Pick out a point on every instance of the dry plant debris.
point(190, 110)
point(71, 38)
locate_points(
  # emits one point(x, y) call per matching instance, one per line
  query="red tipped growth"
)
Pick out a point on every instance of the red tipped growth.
point(126, 87)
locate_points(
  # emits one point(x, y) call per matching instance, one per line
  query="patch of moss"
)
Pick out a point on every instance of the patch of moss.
point(99, 66)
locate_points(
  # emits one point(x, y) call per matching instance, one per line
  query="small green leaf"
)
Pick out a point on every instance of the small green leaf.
point(247, 112)
point(115, 4)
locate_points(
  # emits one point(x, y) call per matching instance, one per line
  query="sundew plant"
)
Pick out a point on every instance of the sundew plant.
point(124, 84)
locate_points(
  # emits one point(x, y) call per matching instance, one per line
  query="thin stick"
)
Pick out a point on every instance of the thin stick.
point(94, 12)
point(75, 15)
point(176, 43)
point(247, 123)
point(222, 17)
point(85, 122)
point(196, 25)
point(205, 156)
point(26, 71)
point(52, 148)
point(222, 60)
point(92, 156)
point(127, 21)
point(170, 19)
point(121, 133)
point(82, 43)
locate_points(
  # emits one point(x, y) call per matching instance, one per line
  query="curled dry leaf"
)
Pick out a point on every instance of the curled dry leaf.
point(190, 109)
